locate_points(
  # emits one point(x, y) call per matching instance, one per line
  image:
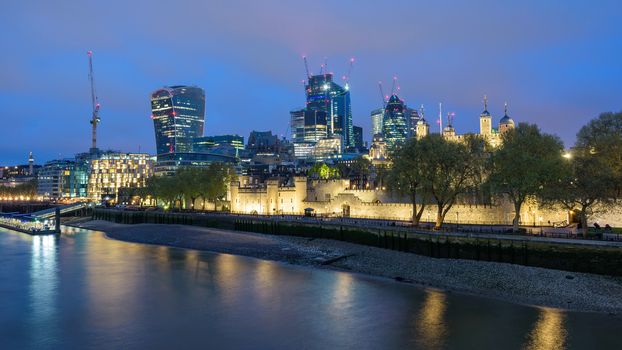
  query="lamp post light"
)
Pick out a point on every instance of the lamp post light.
point(534, 218)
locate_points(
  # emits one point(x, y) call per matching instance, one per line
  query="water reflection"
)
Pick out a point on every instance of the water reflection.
point(549, 332)
point(341, 292)
point(83, 291)
point(264, 277)
point(43, 284)
point(110, 287)
point(431, 325)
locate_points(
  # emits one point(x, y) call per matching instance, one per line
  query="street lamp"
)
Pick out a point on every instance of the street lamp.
point(534, 218)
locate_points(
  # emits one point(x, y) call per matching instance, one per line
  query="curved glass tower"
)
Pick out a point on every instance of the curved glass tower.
point(178, 114)
point(395, 125)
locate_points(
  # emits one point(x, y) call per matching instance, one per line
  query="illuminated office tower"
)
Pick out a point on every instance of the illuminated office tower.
point(377, 116)
point(111, 171)
point(396, 123)
point(178, 114)
point(323, 94)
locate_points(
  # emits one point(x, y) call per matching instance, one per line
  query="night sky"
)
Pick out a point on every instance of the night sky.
point(557, 63)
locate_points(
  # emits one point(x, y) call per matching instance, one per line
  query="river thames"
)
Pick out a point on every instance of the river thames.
point(82, 290)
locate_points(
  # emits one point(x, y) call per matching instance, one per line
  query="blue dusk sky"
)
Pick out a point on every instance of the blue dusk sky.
point(557, 63)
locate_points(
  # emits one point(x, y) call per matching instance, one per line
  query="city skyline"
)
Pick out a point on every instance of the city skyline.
point(556, 66)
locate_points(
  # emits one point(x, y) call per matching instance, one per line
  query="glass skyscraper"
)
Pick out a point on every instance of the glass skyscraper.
point(327, 113)
point(396, 122)
point(178, 114)
point(377, 116)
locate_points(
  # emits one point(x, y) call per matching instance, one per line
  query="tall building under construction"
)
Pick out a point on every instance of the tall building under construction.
point(327, 115)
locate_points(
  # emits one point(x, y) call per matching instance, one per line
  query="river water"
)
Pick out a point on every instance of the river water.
point(83, 291)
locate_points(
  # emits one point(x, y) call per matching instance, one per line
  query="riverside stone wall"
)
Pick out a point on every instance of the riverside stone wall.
point(335, 198)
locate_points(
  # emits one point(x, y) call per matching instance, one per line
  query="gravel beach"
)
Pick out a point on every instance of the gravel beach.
point(514, 283)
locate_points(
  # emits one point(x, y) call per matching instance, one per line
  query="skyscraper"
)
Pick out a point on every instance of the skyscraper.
point(396, 123)
point(377, 116)
point(358, 137)
point(178, 114)
point(324, 95)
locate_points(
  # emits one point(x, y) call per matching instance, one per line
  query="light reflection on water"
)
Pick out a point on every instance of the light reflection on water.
point(431, 325)
point(549, 332)
point(43, 285)
point(85, 291)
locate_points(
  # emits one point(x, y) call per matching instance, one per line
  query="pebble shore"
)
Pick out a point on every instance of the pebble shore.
point(514, 283)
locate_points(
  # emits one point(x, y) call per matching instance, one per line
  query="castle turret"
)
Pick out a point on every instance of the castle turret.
point(485, 120)
point(423, 128)
point(506, 123)
point(449, 132)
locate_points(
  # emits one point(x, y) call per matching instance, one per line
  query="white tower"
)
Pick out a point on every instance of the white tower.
point(485, 120)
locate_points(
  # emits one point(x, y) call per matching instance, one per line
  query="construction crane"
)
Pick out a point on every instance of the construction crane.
point(346, 77)
point(393, 86)
point(384, 101)
point(95, 117)
point(304, 58)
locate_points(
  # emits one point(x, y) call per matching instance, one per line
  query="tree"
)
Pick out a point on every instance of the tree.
point(584, 183)
point(189, 180)
point(323, 171)
point(406, 177)
point(592, 176)
point(164, 188)
point(449, 169)
point(27, 189)
point(218, 176)
point(527, 163)
point(602, 137)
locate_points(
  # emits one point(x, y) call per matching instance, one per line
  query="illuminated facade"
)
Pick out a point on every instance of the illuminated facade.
point(378, 150)
point(62, 179)
point(309, 126)
point(206, 143)
point(111, 171)
point(493, 137)
point(178, 114)
point(327, 148)
point(377, 116)
point(169, 163)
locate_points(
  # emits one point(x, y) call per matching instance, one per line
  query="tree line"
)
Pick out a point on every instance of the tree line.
point(28, 189)
point(189, 183)
point(528, 164)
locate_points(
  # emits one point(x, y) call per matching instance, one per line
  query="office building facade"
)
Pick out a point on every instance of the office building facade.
point(178, 114)
point(377, 116)
point(111, 171)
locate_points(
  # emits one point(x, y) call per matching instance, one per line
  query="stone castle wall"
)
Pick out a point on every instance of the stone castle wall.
point(333, 198)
